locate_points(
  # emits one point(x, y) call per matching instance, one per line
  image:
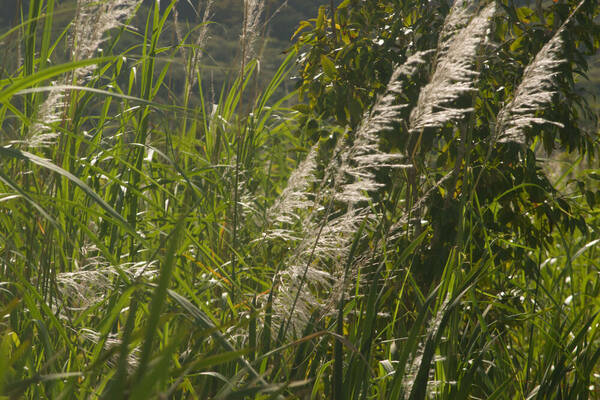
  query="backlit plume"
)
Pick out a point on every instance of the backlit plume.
point(317, 265)
point(455, 73)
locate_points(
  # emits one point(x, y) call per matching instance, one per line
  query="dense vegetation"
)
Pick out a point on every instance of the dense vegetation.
point(402, 225)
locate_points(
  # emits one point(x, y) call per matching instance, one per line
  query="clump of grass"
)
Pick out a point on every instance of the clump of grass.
point(153, 245)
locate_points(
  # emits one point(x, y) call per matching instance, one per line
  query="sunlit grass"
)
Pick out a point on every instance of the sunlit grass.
point(149, 248)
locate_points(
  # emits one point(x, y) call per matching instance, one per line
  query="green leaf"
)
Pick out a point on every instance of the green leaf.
point(42, 162)
point(344, 4)
point(45, 74)
point(328, 67)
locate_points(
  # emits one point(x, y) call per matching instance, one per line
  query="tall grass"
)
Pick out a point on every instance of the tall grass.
point(154, 244)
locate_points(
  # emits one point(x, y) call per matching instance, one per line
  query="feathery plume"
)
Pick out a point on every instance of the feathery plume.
point(459, 16)
point(48, 113)
point(93, 20)
point(111, 341)
point(253, 10)
point(87, 286)
point(454, 75)
point(295, 195)
point(294, 198)
point(364, 155)
point(316, 264)
point(535, 92)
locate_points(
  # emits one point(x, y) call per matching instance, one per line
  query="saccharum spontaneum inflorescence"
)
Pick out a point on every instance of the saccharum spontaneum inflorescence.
point(93, 20)
point(535, 92)
point(323, 245)
point(455, 73)
point(253, 12)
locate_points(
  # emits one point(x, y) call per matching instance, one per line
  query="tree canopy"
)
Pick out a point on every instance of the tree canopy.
point(496, 93)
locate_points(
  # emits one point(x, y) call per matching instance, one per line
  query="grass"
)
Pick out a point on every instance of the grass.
point(149, 248)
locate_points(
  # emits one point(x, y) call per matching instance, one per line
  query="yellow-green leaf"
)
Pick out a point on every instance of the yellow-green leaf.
point(328, 67)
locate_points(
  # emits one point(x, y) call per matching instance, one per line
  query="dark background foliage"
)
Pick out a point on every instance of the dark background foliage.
point(342, 72)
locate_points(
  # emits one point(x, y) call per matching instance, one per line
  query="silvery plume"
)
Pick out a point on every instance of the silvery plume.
point(535, 92)
point(314, 277)
point(454, 74)
point(253, 10)
point(111, 341)
point(293, 200)
point(88, 285)
point(94, 18)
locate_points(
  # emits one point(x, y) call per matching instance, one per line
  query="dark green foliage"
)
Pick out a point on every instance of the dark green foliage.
point(345, 69)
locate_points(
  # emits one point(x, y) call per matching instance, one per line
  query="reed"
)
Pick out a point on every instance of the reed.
point(155, 244)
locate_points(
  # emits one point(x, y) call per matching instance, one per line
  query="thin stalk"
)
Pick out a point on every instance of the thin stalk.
point(333, 28)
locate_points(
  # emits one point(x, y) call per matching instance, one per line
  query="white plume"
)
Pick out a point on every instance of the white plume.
point(535, 92)
point(316, 265)
point(94, 18)
point(87, 286)
point(454, 74)
point(253, 10)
